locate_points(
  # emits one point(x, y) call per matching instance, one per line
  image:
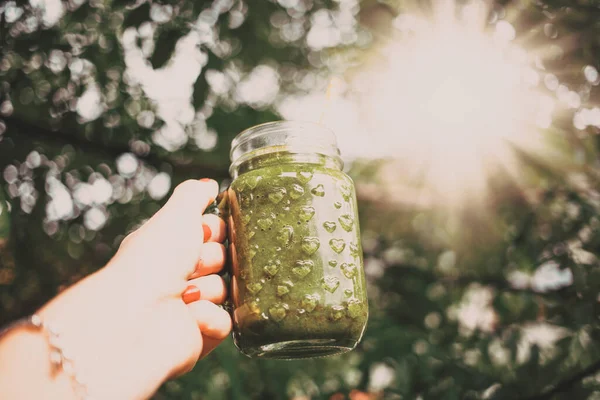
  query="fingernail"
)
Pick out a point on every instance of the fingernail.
point(205, 180)
point(191, 294)
point(207, 232)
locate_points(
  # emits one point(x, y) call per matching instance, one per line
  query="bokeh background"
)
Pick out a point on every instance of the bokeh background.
point(470, 129)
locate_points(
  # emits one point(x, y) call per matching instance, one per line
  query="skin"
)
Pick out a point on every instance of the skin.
point(263, 316)
point(128, 323)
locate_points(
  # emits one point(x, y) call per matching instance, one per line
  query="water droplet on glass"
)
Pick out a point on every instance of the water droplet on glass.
point(246, 219)
point(251, 234)
point(354, 251)
point(306, 213)
point(346, 221)
point(309, 302)
point(303, 268)
point(304, 176)
point(282, 290)
point(252, 181)
point(264, 223)
point(285, 235)
point(251, 253)
point(254, 307)
point(349, 270)
point(354, 308)
point(310, 245)
point(255, 287)
point(329, 226)
point(277, 195)
point(318, 190)
point(296, 191)
point(337, 312)
point(278, 312)
point(346, 192)
point(348, 292)
point(333, 263)
point(271, 269)
point(337, 245)
point(337, 204)
point(330, 283)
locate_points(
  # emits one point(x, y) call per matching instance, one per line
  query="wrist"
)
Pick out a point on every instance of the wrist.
point(110, 327)
point(25, 358)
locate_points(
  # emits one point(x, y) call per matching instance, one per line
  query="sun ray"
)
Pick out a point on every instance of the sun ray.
point(456, 90)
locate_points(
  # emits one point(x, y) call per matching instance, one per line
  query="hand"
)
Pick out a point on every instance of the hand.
point(127, 327)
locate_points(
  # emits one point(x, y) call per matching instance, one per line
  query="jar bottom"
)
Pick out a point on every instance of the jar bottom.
point(298, 349)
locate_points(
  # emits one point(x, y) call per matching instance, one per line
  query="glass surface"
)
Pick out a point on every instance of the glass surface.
point(298, 286)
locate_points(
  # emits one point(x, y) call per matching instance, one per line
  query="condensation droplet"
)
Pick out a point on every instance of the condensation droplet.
point(309, 302)
point(333, 263)
point(337, 245)
point(272, 269)
point(285, 235)
point(255, 287)
point(254, 307)
point(282, 290)
point(354, 251)
point(337, 204)
point(310, 244)
point(251, 234)
point(346, 192)
point(246, 219)
point(306, 213)
point(348, 292)
point(278, 312)
point(346, 221)
point(276, 195)
point(337, 312)
point(329, 226)
point(252, 253)
point(303, 268)
point(354, 308)
point(296, 191)
point(318, 190)
point(304, 176)
point(252, 181)
point(330, 283)
point(349, 270)
point(264, 223)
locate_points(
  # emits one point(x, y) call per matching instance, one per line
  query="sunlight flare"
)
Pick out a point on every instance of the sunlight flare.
point(450, 97)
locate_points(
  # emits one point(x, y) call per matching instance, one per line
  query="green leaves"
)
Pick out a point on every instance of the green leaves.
point(165, 46)
point(137, 16)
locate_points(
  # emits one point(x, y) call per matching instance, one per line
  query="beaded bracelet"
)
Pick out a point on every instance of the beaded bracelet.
point(60, 359)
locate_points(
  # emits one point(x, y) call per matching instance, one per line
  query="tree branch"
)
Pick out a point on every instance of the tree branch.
point(16, 126)
point(568, 383)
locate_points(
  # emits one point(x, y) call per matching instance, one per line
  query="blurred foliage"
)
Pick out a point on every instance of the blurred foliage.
point(485, 301)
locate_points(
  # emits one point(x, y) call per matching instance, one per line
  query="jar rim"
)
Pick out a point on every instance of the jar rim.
point(286, 135)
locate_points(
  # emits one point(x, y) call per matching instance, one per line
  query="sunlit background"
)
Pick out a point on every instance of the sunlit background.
point(470, 129)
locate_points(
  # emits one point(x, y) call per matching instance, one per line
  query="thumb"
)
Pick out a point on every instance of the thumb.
point(173, 236)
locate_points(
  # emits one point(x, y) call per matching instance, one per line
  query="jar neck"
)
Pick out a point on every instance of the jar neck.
point(284, 157)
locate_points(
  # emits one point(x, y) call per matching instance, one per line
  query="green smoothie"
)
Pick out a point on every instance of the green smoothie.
point(298, 285)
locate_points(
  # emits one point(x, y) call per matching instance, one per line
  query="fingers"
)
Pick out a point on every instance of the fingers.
point(212, 259)
point(213, 321)
point(172, 236)
point(216, 228)
point(209, 344)
point(211, 288)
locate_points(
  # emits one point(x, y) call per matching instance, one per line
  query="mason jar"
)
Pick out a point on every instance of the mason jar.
point(298, 285)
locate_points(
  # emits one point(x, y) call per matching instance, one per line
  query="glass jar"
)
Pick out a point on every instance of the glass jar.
point(298, 285)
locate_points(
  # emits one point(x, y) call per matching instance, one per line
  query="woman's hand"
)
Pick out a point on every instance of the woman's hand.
point(127, 326)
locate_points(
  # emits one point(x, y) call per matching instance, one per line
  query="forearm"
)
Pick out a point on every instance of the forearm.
point(26, 371)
